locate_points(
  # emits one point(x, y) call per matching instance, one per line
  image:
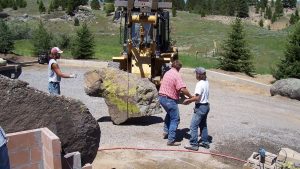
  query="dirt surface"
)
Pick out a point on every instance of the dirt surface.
point(243, 118)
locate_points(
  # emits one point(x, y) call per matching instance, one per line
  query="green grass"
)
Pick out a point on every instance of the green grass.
point(23, 47)
point(191, 33)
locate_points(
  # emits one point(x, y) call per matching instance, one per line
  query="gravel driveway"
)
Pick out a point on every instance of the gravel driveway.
point(242, 119)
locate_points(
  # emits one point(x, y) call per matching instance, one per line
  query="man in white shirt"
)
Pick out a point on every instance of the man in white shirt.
point(4, 160)
point(54, 72)
point(200, 111)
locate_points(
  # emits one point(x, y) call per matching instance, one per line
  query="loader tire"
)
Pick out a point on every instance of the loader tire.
point(115, 65)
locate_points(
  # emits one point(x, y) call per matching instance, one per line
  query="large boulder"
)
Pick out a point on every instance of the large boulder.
point(125, 94)
point(25, 108)
point(287, 87)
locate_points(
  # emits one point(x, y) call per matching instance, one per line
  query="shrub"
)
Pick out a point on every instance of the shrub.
point(41, 39)
point(289, 67)
point(261, 23)
point(76, 22)
point(6, 38)
point(20, 30)
point(109, 7)
point(236, 56)
point(83, 44)
point(95, 5)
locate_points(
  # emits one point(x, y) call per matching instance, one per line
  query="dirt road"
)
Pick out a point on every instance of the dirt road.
point(243, 118)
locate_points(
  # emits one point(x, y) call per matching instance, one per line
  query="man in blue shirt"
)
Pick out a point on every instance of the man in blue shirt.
point(4, 160)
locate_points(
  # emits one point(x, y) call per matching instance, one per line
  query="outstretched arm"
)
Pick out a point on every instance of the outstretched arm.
point(57, 70)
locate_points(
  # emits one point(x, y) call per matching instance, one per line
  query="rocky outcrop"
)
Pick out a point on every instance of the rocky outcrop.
point(125, 94)
point(287, 87)
point(25, 108)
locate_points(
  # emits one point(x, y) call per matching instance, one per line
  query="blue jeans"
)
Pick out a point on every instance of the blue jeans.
point(4, 160)
point(54, 88)
point(172, 117)
point(199, 119)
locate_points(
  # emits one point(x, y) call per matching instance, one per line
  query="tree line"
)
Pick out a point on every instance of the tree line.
point(239, 8)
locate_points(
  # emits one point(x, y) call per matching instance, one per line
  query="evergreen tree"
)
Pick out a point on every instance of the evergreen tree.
point(261, 23)
point(42, 8)
point(297, 18)
point(6, 38)
point(269, 13)
point(272, 3)
point(174, 11)
point(95, 5)
point(41, 39)
point(14, 5)
point(76, 22)
point(274, 18)
point(51, 7)
point(289, 67)
point(257, 7)
point(278, 8)
point(236, 56)
point(56, 4)
point(83, 47)
point(243, 9)
point(23, 4)
point(1, 8)
point(70, 7)
point(292, 19)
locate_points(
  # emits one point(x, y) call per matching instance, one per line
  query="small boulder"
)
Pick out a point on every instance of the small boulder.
point(287, 87)
point(126, 94)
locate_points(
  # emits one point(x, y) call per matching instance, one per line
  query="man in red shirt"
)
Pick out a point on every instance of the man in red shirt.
point(171, 87)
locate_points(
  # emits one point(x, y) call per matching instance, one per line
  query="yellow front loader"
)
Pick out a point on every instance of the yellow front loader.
point(145, 31)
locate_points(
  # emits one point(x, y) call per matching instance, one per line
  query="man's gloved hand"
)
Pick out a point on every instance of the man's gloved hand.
point(73, 75)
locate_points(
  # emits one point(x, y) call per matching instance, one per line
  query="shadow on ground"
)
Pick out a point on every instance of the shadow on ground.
point(136, 121)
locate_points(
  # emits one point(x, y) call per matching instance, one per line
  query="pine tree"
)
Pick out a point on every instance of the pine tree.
point(56, 4)
point(174, 11)
point(261, 23)
point(269, 13)
point(95, 5)
point(1, 8)
point(292, 19)
point(76, 21)
point(83, 46)
point(42, 8)
point(14, 5)
point(297, 18)
point(243, 9)
point(70, 7)
point(236, 56)
point(274, 18)
point(6, 38)
point(278, 8)
point(41, 40)
point(289, 67)
point(272, 3)
point(51, 7)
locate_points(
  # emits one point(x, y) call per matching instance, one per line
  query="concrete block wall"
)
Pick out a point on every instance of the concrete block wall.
point(35, 149)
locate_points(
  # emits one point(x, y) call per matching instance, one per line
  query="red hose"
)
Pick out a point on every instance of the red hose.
point(157, 149)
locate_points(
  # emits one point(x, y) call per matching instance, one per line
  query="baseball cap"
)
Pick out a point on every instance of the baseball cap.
point(55, 50)
point(200, 70)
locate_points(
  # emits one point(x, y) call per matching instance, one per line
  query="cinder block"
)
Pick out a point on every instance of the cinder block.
point(36, 154)
point(19, 158)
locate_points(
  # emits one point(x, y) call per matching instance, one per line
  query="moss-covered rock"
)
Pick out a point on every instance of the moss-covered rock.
point(125, 94)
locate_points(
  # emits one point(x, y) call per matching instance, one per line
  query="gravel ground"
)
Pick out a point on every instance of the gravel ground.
point(242, 119)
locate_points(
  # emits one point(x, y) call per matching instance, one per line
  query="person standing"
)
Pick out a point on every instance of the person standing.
point(201, 110)
point(171, 87)
point(4, 159)
point(54, 72)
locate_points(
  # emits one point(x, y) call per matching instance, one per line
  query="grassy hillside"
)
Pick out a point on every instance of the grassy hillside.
point(194, 36)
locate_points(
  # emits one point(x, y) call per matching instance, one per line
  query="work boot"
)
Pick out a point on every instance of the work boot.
point(173, 143)
point(191, 147)
point(165, 135)
point(204, 145)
